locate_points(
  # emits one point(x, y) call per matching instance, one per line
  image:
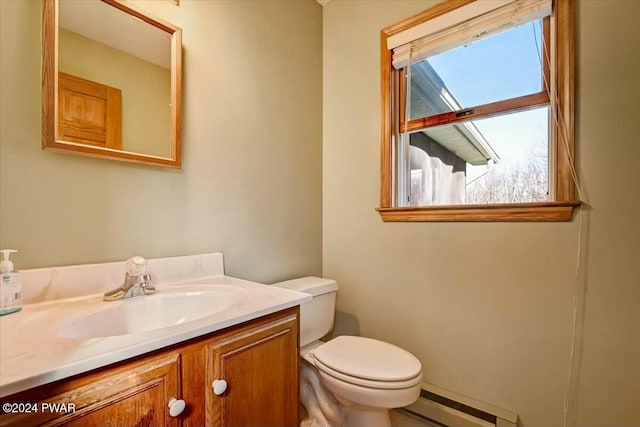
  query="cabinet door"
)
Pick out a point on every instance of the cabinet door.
point(135, 394)
point(260, 366)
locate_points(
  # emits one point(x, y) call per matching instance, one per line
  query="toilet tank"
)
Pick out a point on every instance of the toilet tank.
point(316, 316)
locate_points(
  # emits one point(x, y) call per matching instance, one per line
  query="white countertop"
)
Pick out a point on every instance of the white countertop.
point(32, 354)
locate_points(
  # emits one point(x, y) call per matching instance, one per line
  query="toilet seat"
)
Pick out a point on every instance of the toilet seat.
point(368, 362)
point(386, 385)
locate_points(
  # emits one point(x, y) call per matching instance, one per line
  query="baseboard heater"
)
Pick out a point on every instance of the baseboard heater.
point(450, 409)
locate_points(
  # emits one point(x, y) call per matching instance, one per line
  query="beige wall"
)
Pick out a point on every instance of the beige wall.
point(250, 185)
point(488, 307)
point(146, 89)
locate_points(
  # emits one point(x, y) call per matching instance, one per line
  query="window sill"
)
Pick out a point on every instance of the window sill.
point(521, 212)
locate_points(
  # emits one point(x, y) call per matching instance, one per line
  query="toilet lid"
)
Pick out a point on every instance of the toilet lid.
point(368, 359)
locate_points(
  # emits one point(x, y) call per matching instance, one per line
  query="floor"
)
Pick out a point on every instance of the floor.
point(405, 419)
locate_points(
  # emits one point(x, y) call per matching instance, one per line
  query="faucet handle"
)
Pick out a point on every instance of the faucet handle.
point(136, 266)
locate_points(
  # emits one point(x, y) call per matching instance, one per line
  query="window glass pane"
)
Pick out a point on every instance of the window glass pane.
point(503, 66)
point(502, 159)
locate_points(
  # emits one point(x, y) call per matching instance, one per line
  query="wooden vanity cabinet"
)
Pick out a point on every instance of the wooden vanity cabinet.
point(257, 359)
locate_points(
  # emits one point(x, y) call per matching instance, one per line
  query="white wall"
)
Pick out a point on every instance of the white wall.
point(250, 185)
point(488, 307)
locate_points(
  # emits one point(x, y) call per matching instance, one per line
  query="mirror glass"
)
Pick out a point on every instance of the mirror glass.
point(111, 82)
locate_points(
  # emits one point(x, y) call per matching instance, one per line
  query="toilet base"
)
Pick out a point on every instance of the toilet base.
point(357, 416)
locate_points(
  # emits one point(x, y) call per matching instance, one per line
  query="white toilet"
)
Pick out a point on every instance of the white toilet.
point(348, 381)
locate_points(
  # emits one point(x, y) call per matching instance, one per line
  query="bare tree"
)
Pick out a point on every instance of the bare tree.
point(526, 181)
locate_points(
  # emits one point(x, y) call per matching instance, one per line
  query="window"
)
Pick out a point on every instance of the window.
point(477, 113)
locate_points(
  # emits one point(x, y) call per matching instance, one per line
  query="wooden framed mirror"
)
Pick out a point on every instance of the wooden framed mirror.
point(111, 82)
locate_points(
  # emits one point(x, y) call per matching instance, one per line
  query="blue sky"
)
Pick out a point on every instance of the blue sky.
point(502, 66)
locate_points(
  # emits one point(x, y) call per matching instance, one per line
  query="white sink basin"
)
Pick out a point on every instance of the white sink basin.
point(163, 309)
point(62, 337)
point(167, 307)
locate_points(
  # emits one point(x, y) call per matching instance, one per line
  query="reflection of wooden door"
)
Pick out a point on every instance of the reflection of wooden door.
point(89, 112)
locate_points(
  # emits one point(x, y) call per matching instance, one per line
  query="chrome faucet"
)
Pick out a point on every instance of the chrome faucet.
point(136, 281)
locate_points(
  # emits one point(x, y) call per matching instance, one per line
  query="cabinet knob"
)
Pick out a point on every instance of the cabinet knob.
point(176, 406)
point(219, 387)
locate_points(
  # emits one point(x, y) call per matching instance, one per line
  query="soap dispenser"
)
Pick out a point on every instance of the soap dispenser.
point(10, 285)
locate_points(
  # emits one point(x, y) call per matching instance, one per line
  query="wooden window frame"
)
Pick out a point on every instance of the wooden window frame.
point(561, 78)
